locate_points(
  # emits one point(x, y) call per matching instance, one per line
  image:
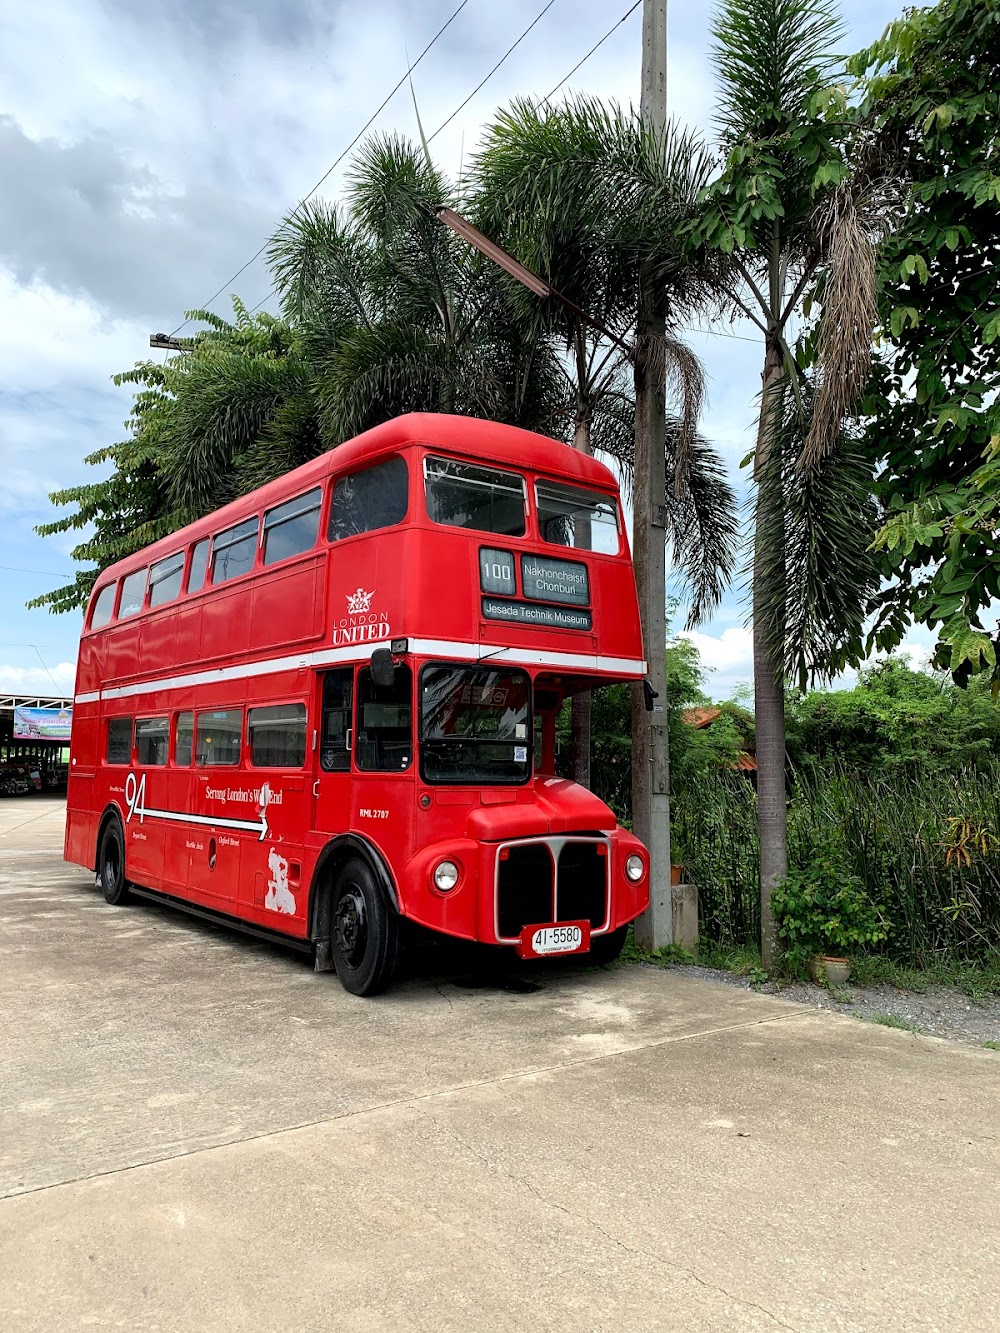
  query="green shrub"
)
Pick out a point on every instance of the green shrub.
point(823, 909)
point(925, 846)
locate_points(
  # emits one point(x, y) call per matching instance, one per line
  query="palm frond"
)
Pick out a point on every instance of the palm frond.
point(703, 521)
point(848, 228)
point(817, 529)
point(771, 57)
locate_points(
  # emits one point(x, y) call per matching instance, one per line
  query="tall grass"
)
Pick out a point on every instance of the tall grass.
point(927, 848)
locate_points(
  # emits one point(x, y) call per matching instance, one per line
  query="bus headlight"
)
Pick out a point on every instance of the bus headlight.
point(634, 868)
point(446, 876)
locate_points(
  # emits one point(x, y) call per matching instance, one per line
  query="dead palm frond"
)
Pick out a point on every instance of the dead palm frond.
point(848, 243)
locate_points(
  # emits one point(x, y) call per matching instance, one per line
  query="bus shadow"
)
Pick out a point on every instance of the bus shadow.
point(430, 959)
point(427, 960)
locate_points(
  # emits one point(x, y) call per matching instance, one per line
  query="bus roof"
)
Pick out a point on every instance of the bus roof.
point(471, 436)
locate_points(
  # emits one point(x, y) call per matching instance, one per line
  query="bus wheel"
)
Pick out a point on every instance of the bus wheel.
point(111, 863)
point(606, 948)
point(365, 932)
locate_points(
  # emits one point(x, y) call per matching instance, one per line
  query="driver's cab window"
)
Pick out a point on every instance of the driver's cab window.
point(385, 722)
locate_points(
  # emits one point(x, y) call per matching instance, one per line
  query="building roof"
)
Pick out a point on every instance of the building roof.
point(700, 717)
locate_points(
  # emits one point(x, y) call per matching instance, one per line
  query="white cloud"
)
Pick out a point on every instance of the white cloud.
point(58, 679)
point(727, 658)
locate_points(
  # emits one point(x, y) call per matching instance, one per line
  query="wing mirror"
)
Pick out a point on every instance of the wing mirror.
point(383, 669)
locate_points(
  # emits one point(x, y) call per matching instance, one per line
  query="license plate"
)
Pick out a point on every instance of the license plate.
point(552, 940)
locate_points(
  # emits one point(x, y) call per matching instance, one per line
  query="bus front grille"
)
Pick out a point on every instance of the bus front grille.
point(524, 888)
point(582, 879)
point(551, 879)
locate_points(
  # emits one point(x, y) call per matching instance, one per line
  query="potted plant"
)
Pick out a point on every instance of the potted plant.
point(823, 914)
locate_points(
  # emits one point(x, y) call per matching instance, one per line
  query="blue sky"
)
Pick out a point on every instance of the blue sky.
point(147, 152)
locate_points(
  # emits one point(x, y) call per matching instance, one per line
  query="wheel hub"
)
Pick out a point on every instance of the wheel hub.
point(351, 924)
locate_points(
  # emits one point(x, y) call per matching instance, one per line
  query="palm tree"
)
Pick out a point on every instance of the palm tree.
point(797, 208)
point(396, 313)
point(241, 410)
point(540, 191)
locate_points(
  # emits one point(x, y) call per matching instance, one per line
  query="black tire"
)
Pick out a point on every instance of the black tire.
point(606, 949)
point(364, 931)
point(111, 864)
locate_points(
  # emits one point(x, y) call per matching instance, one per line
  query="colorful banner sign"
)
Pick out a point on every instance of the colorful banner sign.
point(42, 724)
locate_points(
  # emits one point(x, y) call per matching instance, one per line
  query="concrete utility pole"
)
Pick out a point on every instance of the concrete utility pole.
point(650, 744)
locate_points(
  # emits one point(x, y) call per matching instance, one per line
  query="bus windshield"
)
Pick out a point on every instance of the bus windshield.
point(475, 725)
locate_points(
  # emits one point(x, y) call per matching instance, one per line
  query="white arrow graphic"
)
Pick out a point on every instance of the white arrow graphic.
point(135, 798)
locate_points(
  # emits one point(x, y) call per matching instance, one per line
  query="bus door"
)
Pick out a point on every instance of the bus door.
point(332, 785)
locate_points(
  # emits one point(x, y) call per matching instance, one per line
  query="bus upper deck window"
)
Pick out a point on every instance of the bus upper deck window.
point(133, 593)
point(292, 527)
point(165, 579)
point(369, 500)
point(199, 565)
point(464, 496)
point(568, 516)
point(234, 551)
point(104, 606)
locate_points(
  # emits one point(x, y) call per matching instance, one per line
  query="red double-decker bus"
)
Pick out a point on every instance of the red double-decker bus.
point(331, 705)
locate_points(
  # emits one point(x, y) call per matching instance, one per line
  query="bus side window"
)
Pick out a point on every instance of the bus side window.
point(385, 727)
point(292, 527)
point(366, 501)
point(338, 693)
point(165, 579)
point(199, 563)
point(218, 738)
point(104, 606)
point(183, 739)
point(277, 735)
point(133, 594)
point(119, 746)
point(234, 551)
point(151, 736)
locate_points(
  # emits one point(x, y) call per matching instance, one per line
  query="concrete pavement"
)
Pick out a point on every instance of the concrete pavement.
point(198, 1133)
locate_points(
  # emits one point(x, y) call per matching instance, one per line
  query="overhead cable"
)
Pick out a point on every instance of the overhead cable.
point(253, 258)
point(610, 32)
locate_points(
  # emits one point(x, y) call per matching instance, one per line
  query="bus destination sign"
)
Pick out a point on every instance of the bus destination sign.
point(545, 580)
point(527, 613)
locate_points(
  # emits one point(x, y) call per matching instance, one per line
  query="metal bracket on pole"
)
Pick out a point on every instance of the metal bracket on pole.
point(659, 518)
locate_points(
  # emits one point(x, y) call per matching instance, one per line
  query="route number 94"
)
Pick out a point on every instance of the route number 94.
point(135, 796)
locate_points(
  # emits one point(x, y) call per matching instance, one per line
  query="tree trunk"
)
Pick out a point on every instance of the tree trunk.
point(580, 735)
point(769, 681)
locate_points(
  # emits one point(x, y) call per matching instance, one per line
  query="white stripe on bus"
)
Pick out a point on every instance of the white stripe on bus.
point(472, 652)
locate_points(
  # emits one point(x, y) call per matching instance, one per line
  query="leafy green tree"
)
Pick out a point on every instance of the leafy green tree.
point(695, 754)
point(796, 207)
point(231, 412)
point(896, 720)
point(932, 104)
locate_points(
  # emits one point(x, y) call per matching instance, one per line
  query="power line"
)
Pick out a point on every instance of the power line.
point(538, 17)
point(253, 258)
point(721, 333)
point(45, 667)
point(481, 84)
point(16, 569)
point(609, 33)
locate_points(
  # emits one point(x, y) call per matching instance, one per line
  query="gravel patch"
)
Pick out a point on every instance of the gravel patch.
point(941, 1012)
